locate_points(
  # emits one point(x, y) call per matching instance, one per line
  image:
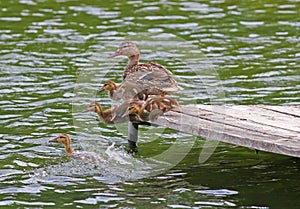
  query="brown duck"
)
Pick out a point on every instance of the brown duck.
point(151, 77)
point(151, 109)
point(126, 90)
point(66, 140)
point(116, 114)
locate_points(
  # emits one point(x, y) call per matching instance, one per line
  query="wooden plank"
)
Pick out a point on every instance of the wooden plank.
point(258, 115)
point(289, 110)
point(238, 125)
point(234, 120)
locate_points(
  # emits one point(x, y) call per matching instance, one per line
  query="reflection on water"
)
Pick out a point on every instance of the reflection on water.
point(53, 57)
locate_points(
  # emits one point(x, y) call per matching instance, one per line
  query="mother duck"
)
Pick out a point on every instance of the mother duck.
point(151, 77)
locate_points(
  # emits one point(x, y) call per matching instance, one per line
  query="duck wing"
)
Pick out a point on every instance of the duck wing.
point(153, 77)
point(128, 90)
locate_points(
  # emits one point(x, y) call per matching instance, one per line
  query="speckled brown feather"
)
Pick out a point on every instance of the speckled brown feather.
point(152, 108)
point(151, 78)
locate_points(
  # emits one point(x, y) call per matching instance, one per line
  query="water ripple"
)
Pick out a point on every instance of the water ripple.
point(53, 57)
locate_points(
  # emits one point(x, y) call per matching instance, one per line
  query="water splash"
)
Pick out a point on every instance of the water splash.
point(112, 165)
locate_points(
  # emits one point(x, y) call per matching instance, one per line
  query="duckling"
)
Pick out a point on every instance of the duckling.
point(152, 108)
point(126, 90)
point(86, 156)
point(153, 77)
point(116, 114)
point(66, 140)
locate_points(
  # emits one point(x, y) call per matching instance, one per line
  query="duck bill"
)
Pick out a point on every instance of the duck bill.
point(117, 53)
point(89, 109)
point(54, 140)
point(126, 114)
point(101, 90)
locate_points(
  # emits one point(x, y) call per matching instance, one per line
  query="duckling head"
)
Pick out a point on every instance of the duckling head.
point(134, 112)
point(134, 108)
point(93, 107)
point(64, 139)
point(128, 49)
point(108, 86)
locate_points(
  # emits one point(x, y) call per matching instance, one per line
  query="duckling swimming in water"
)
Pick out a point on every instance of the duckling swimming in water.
point(86, 156)
point(66, 140)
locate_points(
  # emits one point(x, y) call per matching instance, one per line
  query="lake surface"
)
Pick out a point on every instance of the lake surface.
point(53, 58)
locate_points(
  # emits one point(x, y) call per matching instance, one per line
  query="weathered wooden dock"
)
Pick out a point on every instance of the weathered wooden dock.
point(269, 128)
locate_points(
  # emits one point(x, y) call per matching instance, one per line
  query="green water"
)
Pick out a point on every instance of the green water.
point(53, 57)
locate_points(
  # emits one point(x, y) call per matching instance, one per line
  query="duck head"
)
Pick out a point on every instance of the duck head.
point(134, 109)
point(108, 86)
point(128, 49)
point(93, 107)
point(64, 139)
